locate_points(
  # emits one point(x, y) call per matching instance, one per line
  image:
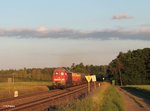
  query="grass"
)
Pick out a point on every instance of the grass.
point(139, 90)
point(112, 100)
point(105, 98)
point(7, 89)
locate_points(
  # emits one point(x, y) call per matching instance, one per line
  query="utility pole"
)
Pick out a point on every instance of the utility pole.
point(13, 78)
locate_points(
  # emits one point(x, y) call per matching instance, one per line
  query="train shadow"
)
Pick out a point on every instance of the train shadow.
point(52, 87)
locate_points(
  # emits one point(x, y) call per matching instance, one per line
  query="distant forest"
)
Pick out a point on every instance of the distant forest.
point(132, 67)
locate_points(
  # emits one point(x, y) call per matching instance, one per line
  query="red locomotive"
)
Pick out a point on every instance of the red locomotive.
point(64, 78)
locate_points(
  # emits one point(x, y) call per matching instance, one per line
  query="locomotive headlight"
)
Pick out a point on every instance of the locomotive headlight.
point(62, 73)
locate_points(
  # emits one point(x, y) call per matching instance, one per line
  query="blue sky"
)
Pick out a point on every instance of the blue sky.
point(77, 14)
point(49, 33)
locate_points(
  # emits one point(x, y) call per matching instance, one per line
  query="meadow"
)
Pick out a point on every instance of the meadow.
point(23, 88)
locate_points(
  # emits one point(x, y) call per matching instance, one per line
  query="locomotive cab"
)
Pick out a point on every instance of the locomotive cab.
point(59, 77)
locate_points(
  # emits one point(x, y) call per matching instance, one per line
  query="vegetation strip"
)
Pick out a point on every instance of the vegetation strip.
point(105, 98)
point(112, 100)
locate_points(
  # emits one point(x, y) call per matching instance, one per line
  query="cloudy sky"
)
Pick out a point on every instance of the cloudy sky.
point(52, 33)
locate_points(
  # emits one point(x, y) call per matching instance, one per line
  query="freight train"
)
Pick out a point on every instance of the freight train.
point(62, 78)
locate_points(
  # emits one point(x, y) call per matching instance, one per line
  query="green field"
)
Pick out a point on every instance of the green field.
point(139, 90)
point(7, 89)
point(144, 87)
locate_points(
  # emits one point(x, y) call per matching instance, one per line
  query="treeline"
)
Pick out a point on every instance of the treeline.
point(45, 74)
point(132, 67)
point(89, 69)
point(100, 71)
point(34, 74)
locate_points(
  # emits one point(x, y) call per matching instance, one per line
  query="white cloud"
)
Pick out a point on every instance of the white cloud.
point(139, 33)
point(42, 29)
point(122, 16)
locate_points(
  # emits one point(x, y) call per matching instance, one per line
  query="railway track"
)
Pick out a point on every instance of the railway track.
point(27, 98)
point(43, 100)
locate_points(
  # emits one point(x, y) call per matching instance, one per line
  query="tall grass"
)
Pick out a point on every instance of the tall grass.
point(105, 98)
point(78, 105)
point(112, 100)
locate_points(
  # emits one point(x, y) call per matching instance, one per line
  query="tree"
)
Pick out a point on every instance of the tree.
point(131, 67)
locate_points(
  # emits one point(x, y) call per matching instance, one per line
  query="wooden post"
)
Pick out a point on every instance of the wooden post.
point(89, 87)
point(94, 85)
point(9, 83)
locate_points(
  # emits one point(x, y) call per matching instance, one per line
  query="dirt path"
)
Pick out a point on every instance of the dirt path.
point(133, 103)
